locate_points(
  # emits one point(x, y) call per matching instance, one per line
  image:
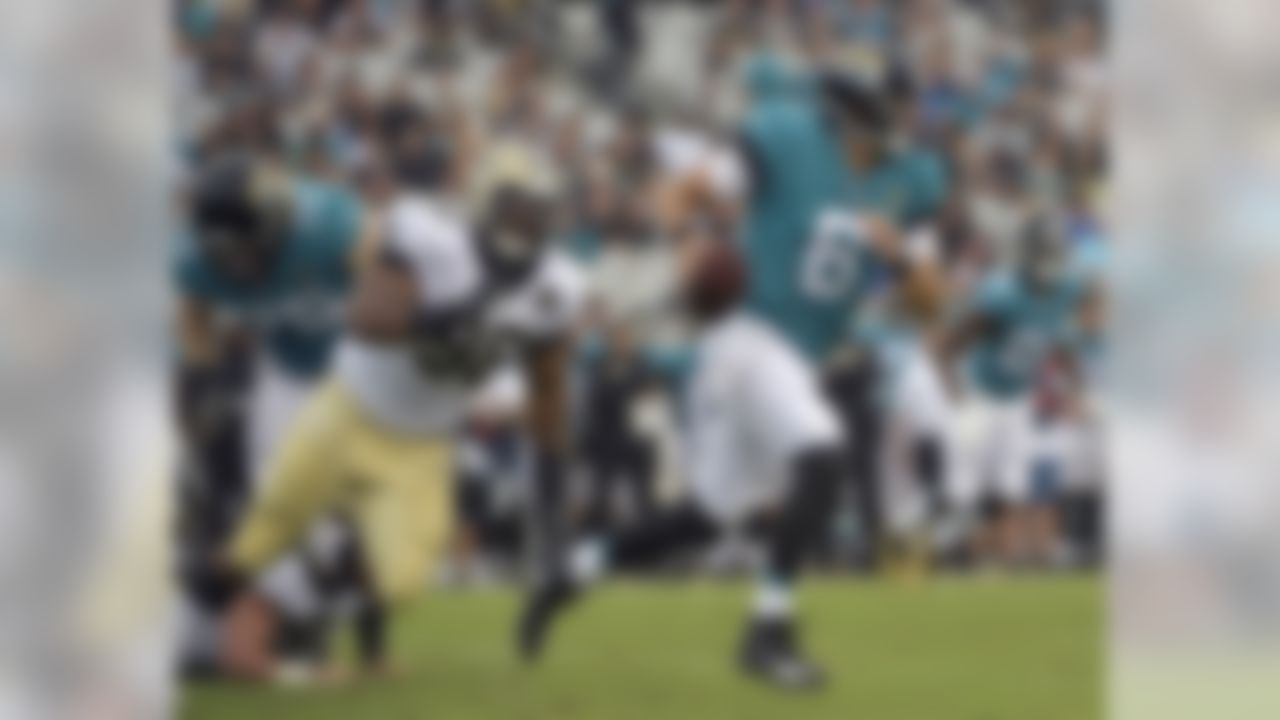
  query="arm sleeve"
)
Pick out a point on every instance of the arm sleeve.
point(437, 252)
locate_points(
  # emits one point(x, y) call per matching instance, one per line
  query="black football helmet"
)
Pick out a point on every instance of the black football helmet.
point(240, 213)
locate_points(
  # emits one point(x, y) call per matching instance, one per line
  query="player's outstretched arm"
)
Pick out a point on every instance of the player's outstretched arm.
point(384, 301)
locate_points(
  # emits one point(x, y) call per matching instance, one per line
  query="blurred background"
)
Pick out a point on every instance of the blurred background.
point(107, 107)
point(1002, 103)
point(1006, 99)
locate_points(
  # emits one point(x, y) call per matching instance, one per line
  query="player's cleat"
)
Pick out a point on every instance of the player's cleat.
point(542, 608)
point(770, 653)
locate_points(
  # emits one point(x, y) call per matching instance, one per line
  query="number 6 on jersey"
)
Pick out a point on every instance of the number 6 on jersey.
point(831, 264)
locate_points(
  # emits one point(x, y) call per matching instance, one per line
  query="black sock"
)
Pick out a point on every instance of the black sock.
point(805, 518)
point(371, 633)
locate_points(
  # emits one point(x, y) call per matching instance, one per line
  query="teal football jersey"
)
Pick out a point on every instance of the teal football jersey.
point(909, 185)
point(809, 262)
point(295, 313)
point(1023, 327)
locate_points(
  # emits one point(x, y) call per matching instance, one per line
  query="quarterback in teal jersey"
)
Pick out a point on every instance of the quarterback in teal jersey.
point(820, 162)
point(820, 202)
point(829, 196)
point(818, 195)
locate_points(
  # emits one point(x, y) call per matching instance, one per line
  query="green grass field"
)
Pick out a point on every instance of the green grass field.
point(964, 649)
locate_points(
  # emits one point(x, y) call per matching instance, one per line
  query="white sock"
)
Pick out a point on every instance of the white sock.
point(773, 600)
point(588, 561)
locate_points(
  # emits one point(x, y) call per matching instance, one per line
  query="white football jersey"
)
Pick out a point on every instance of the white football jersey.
point(391, 382)
point(754, 406)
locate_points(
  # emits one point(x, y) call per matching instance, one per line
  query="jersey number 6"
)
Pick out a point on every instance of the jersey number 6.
point(830, 265)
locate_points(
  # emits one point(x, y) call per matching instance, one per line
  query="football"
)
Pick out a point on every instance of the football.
point(716, 275)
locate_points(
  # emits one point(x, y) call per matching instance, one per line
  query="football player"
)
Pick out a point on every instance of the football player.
point(820, 167)
point(764, 453)
point(436, 308)
point(819, 157)
point(1020, 332)
point(262, 277)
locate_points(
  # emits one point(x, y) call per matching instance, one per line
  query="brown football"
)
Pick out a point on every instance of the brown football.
point(716, 277)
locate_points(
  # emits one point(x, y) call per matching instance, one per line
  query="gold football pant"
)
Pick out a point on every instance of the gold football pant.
point(394, 489)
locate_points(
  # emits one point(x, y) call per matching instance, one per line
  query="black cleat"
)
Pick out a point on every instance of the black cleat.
point(541, 609)
point(770, 654)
